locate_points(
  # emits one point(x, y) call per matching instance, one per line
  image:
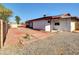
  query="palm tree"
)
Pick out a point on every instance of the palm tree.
point(17, 19)
point(5, 13)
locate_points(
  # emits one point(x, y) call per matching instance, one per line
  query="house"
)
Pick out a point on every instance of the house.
point(63, 22)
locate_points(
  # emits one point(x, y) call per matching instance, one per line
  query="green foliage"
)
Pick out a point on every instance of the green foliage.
point(17, 19)
point(5, 13)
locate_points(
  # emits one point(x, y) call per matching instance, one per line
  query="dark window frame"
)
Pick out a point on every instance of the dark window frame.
point(57, 23)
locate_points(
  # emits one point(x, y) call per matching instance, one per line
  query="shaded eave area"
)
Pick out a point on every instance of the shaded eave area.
point(45, 18)
point(54, 17)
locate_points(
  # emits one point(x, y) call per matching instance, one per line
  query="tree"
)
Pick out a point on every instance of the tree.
point(5, 13)
point(17, 19)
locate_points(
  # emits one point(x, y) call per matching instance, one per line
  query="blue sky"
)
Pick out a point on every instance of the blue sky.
point(28, 11)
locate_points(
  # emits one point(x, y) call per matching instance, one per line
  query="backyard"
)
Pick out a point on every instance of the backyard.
point(32, 42)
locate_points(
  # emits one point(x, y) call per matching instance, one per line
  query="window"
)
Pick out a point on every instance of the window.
point(57, 23)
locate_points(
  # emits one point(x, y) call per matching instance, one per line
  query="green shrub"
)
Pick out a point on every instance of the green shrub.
point(27, 36)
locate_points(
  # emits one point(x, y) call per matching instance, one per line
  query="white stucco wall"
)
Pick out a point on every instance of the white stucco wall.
point(41, 24)
point(65, 25)
point(72, 25)
point(47, 27)
point(13, 25)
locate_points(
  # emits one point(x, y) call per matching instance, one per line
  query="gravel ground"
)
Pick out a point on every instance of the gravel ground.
point(61, 43)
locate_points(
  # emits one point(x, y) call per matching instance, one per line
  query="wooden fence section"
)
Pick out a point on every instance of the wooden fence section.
point(3, 32)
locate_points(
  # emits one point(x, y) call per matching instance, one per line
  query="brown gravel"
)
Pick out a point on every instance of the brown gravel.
point(60, 43)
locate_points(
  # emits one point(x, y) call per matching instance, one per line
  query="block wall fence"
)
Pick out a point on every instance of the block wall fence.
point(3, 32)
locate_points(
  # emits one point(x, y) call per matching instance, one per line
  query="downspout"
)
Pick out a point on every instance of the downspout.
point(50, 25)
